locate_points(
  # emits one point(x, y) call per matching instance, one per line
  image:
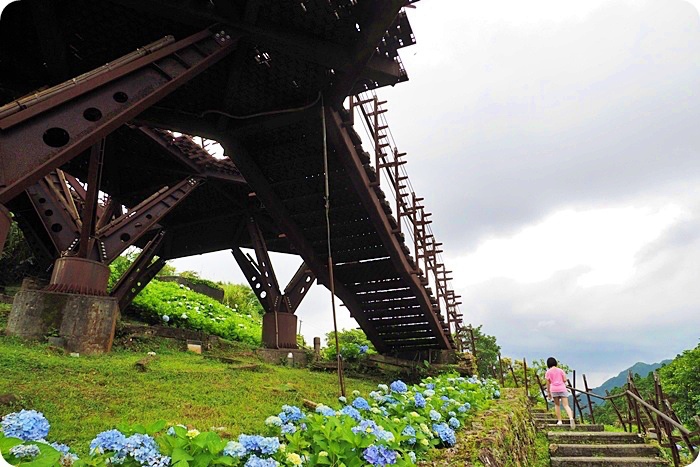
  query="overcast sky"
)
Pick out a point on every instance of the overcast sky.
point(557, 145)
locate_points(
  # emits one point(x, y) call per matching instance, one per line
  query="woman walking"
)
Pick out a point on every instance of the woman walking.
point(556, 390)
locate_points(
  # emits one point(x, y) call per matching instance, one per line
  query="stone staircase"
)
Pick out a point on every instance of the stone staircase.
point(589, 446)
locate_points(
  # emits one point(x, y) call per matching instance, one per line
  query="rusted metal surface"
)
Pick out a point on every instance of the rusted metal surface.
point(139, 273)
point(260, 102)
point(279, 331)
point(5, 223)
point(79, 276)
point(121, 233)
point(68, 127)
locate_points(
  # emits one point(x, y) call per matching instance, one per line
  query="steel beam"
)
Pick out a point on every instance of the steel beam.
point(54, 212)
point(140, 273)
point(275, 207)
point(299, 285)
point(42, 133)
point(124, 231)
point(347, 153)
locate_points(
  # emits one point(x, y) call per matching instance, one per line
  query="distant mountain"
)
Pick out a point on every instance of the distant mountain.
point(643, 369)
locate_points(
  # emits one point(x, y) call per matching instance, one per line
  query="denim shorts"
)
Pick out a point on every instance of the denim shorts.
point(560, 394)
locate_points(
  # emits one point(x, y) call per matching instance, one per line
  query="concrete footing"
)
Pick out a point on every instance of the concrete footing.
point(85, 322)
point(281, 356)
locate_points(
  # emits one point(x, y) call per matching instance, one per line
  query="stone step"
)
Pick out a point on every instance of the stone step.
point(603, 450)
point(583, 437)
point(606, 461)
point(544, 416)
point(565, 426)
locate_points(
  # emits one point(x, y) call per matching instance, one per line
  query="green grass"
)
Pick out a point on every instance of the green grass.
point(89, 394)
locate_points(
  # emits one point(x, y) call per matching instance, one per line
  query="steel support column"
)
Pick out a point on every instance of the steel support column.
point(279, 322)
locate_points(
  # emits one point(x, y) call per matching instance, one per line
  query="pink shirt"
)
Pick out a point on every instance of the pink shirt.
point(557, 379)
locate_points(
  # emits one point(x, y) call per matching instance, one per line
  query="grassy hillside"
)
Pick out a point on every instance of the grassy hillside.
point(86, 395)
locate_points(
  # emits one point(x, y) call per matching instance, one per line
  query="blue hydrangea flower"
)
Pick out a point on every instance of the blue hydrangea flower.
point(419, 400)
point(143, 448)
point(429, 393)
point(446, 434)
point(444, 398)
point(399, 386)
point(325, 410)
point(410, 431)
point(361, 404)
point(464, 407)
point(343, 399)
point(25, 451)
point(376, 395)
point(235, 449)
point(454, 423)
point(383, 387)
point(288, 429)
point(259, 444)
point(364, 349)
point(291, 414)
point(430, 386)
point(496, 394)
point(165, 318)
point(451, 413)
point(365, 427)
point(352, 412)
point(27, 425)
point(435, 415)
point(273, 421)
point(255, 461)
point(62, 448)
point(412, 456)
point(159, 461)
point(379, 455)
point(111, 440)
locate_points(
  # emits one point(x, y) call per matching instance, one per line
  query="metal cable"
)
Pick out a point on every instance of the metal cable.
point(341, 381)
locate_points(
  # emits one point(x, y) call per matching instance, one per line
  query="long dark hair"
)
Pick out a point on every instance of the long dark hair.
point(551, 361)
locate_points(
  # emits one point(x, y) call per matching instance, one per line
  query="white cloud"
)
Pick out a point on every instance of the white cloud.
point(603, 241)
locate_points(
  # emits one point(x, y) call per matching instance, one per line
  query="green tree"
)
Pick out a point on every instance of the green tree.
point(242, 298)
point(487, 350)
point(352, 343)
point(680, 379)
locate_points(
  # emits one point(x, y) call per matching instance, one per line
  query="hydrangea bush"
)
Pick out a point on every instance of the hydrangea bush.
point(393, 425)
point(171, 304)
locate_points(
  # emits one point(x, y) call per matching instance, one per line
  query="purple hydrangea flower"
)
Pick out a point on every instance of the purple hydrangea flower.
point(379, 455)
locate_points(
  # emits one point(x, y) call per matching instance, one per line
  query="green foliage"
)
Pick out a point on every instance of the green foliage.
point(242, 297)
point(353, 343)
point(17, 259)
point(187, 309)
point(681, 381)
point(487, 350)
point(119, 266)
point(84, 396)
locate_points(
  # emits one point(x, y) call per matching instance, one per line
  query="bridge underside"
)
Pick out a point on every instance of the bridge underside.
point(263, 82)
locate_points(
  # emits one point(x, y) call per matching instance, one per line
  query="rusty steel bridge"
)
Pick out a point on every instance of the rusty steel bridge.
point(97, 100)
